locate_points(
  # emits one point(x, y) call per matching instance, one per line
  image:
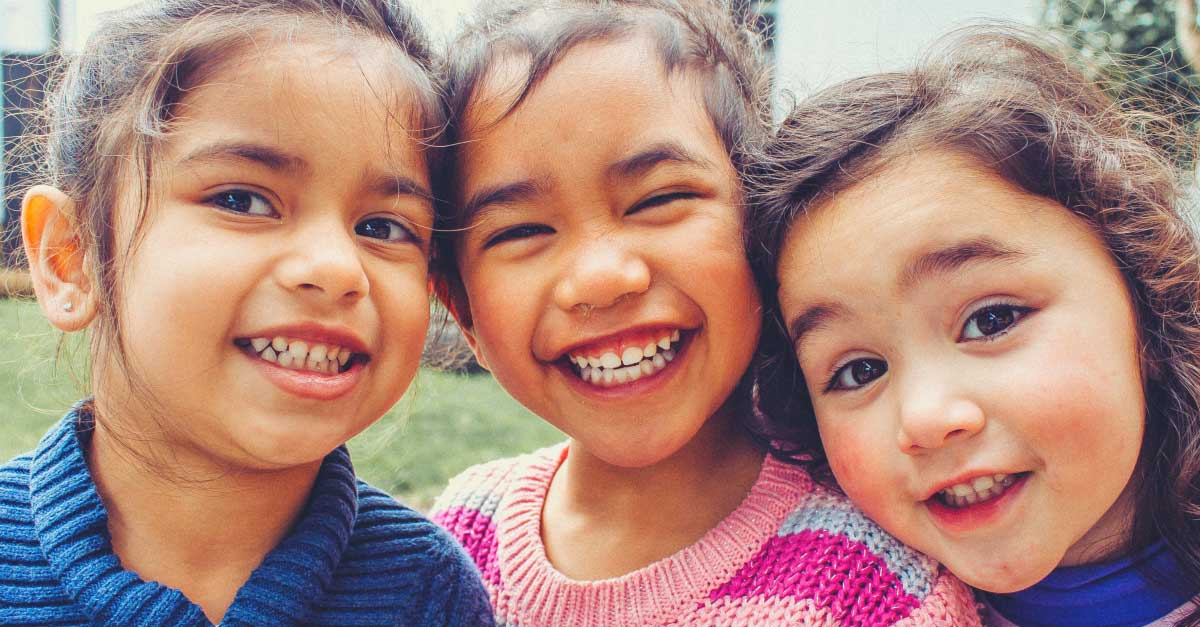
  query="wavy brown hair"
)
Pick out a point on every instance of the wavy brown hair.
point(1021, 107)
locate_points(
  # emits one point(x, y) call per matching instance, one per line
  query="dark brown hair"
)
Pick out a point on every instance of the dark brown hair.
point(705, 36)
point(110, 106)
point(1020, 107)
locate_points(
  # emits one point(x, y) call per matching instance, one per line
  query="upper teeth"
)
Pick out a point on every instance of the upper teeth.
point(300, 354)
point(631, 364)
point(976, 490)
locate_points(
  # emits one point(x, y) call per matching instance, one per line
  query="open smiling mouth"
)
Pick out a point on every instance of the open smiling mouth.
point(301, 354)
point(978, 490)
point(632, 359)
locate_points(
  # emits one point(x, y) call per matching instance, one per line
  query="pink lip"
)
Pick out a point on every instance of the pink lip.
point(615, 338)
point(315, 333)
point(972, 517)
point(306, 383)
point(632, 389)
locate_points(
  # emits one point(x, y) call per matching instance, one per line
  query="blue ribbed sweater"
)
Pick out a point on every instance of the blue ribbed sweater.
point(355, 556)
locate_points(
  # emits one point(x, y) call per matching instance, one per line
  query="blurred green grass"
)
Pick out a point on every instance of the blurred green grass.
point(445, 423)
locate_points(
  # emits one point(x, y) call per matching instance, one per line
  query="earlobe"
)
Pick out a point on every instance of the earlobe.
point(57, 263)
point(454, 299)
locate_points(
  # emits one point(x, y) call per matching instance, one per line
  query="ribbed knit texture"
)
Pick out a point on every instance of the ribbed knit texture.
point(793, 553)
point(355, 556)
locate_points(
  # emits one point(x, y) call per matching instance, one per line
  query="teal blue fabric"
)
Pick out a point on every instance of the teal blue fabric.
point(355, 557)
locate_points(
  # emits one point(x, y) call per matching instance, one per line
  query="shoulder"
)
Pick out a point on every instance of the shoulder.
point(477, 491)
point(398, 558)
point(831, 542)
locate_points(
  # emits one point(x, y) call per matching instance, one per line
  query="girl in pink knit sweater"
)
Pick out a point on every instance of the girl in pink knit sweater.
point(986, 279)
point(593, 258)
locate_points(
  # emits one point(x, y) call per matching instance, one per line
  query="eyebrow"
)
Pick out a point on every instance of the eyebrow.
point(646, 160)
point(950, 258)
point(397, 185)
point(940, 261)
point(272, 158)
point(503, 194)
point(812, 319)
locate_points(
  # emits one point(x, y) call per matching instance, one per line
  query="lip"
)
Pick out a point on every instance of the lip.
point(615, 337)
point(315, 333)
point(632, 389)
point(973, 517)
point(306, 383)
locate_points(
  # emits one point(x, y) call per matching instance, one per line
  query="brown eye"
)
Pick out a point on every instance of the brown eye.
point(991, 321)
point(857, 374)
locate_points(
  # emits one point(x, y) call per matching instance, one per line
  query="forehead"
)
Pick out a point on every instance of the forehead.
point(302, 94)
point(599, 102)
point(864, 238)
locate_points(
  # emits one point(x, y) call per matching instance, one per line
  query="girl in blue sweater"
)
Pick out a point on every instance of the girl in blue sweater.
point(236, 203)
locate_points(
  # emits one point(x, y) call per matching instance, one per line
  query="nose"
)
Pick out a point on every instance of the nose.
point(934, 413)
point(324, 264)
point(602, 272)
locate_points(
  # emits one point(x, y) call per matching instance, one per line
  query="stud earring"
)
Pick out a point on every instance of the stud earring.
point(68, 306)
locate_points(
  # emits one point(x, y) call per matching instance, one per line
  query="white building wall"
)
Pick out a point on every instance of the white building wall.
point(820, 43)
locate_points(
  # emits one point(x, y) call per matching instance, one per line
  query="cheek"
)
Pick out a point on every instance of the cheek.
point(405, 316)
point(853, 456)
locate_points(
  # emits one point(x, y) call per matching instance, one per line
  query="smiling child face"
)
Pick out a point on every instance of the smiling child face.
point(289, 209)
point(603, 264)
point(972, 356)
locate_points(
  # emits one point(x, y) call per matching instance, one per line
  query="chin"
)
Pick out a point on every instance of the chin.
point(1001, 578)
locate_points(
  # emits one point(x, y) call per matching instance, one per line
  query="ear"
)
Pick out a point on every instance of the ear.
point(57, 263)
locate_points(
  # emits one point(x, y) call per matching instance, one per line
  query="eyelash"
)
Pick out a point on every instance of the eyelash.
point(1017, 312)
point(407, 233)
point(660, 200)
point(522, 231)
point(231, 194)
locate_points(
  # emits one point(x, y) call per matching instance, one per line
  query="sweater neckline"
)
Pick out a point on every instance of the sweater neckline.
point(654, 593)
point(71, 523)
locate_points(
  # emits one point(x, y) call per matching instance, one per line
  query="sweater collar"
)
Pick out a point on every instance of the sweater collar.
point(72, 527)
point(1130, 591)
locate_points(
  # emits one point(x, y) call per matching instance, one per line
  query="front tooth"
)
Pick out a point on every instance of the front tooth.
point(620, 375)
point(299, 350)
point(634, 372)
point(668, 354)
point(647, 367)
point(269, 355)
point(649, 350)
point(962, 489)
point(593, 362)
point(315, 364)
point(982, 484)
point(259, 343)
point(286, 359)
point(631, 356)
point(610, 360)
point(675, 335)
point(665, 342)
point(659, 361)
point(607, 376)
point(279, 343)
point(318, 352)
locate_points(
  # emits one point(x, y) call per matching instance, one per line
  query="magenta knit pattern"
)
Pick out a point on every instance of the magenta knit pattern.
point(793, 553)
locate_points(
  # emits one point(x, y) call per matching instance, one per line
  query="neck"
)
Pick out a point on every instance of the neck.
point(602, 520)
point(200, 528)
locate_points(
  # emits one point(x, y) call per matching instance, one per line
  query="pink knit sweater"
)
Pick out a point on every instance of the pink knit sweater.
point(793, 553)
